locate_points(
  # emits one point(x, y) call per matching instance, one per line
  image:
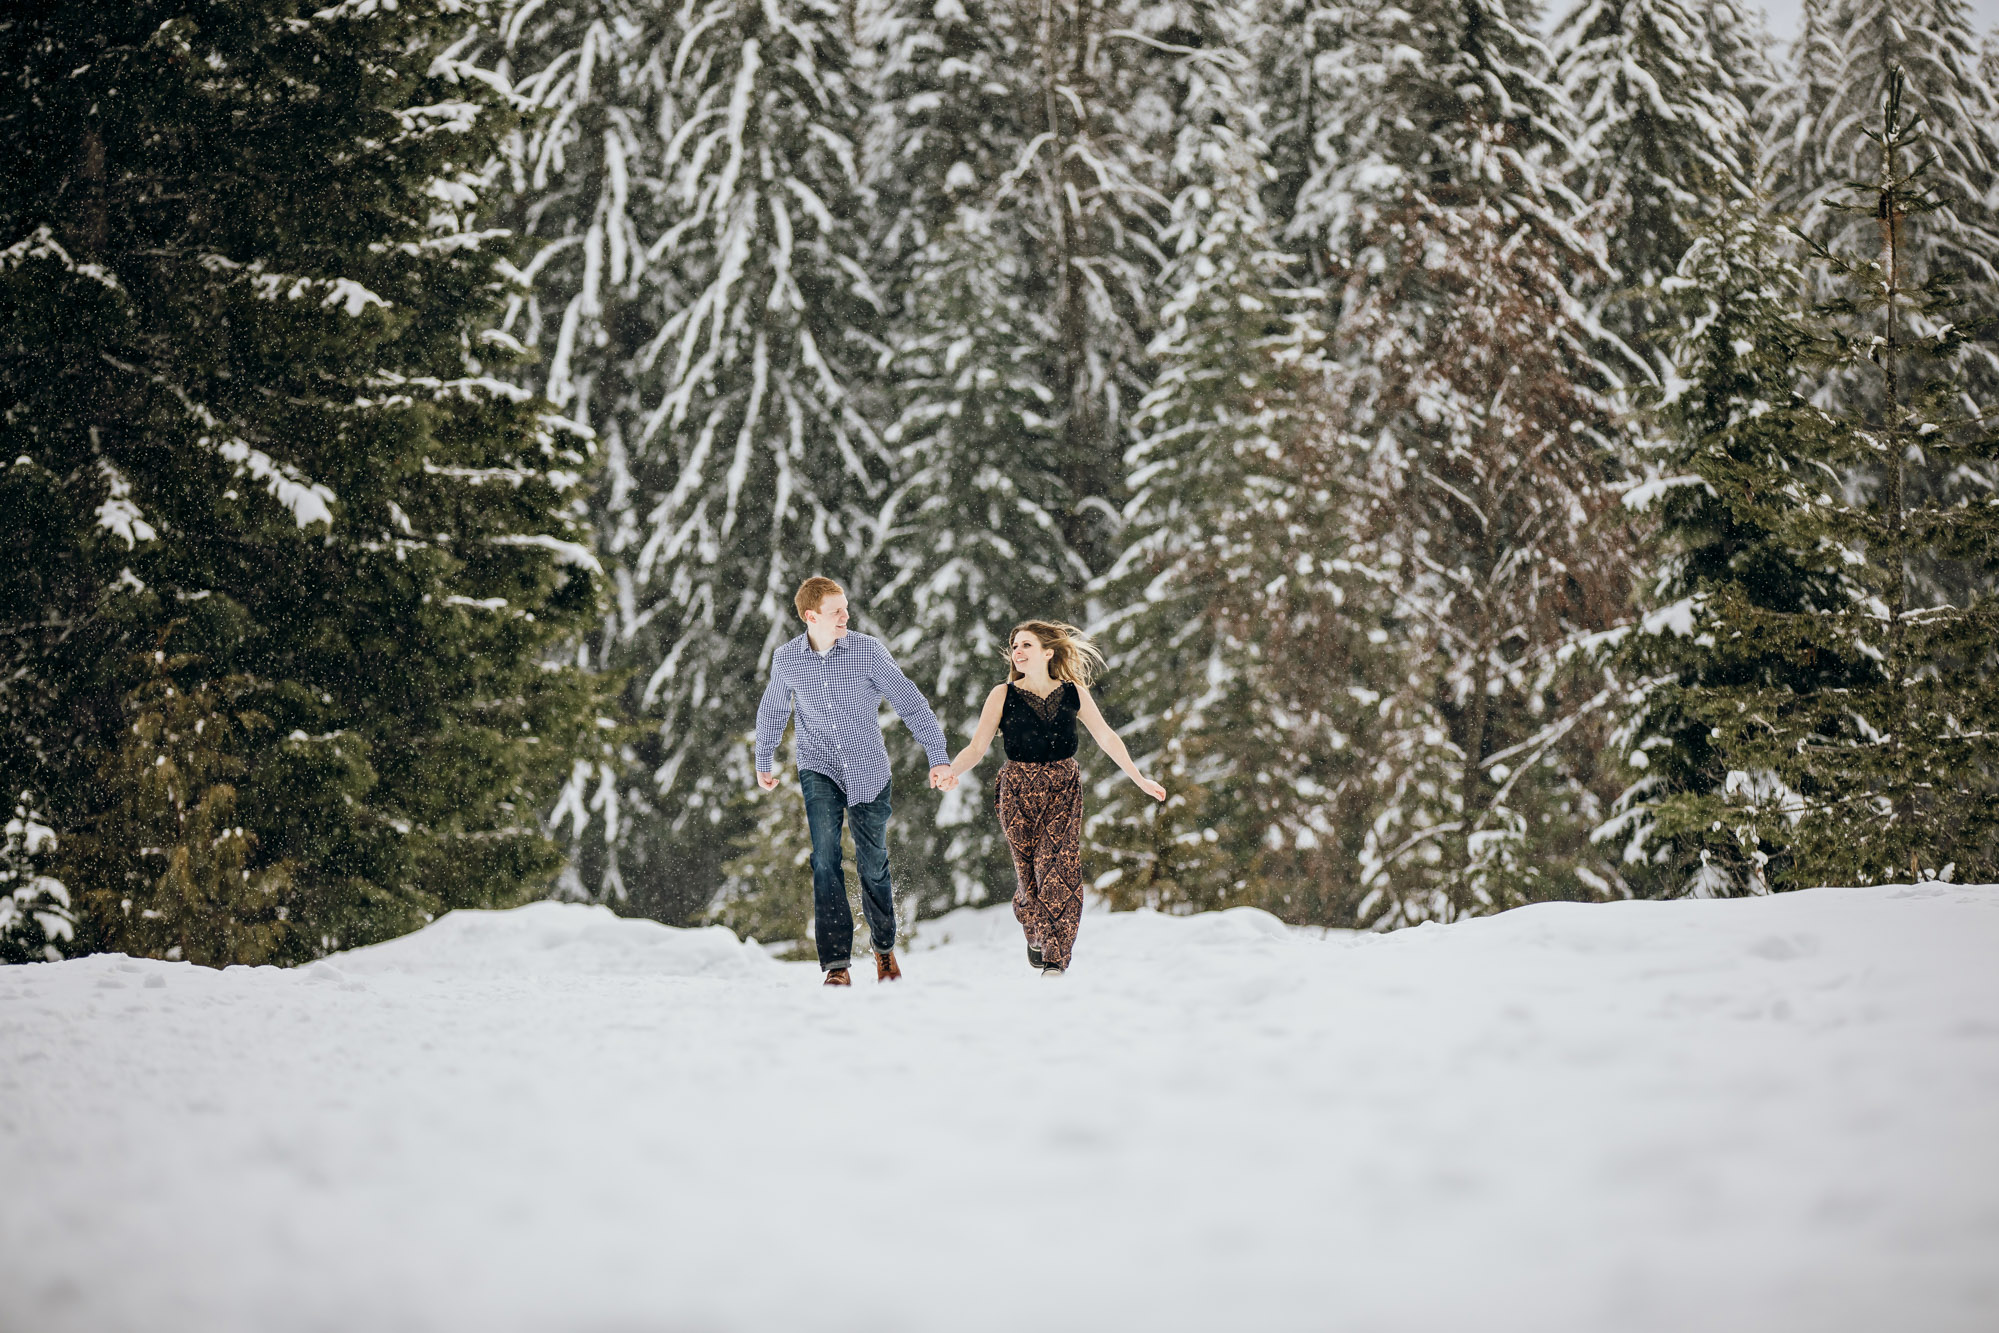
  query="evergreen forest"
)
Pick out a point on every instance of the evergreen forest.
point(1505, 455)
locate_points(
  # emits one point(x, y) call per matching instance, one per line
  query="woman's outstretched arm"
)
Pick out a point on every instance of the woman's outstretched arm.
point(982, 739)
point(1113, 745)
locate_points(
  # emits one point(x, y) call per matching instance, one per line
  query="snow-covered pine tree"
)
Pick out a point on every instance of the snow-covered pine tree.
point(244, 283)
point(1300, 48)
point(765, 893)
point(1358, 100)
point(947, 88)
point(1667, 134)
point(1232, 573)
point(1793, 105)
point(36, 916)
point(1720, 550)
point(1456, 92)
point(1740, 39)
point(1214, 434)
point(712, 315)
point(1446, 233)
point(574, 182)
point(973, 538)
point(1846, 53)
point(1495, 451)
point(1016, 158)
point(1881, 764)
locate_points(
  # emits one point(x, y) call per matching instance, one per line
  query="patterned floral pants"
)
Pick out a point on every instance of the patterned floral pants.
point(1041, 809)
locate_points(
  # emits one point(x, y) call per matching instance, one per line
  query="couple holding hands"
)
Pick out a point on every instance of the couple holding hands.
point(833, 682)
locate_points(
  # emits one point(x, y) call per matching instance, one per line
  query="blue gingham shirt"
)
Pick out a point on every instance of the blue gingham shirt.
point(837, 701)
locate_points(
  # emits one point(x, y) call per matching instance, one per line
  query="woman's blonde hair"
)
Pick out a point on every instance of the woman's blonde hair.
point(1076, 658)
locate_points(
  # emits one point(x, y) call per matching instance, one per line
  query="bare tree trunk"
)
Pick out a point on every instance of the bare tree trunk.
point(1891, 215)
point(1471, 776)
point(92, 226)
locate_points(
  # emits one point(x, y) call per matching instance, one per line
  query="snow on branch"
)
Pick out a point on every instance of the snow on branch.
point(557, 424)
point(449, 67)
point(41, 244)
point(1677, 619)
point(572, 805)
point(448, 117)
point(118, 514)
point(361, 9)
point(346, 293)
point(309, 501)
point(479, 476)
point(351, 297)
point(1644, 495)
point(470, 388)
point(574, 554)
point(1223, 56)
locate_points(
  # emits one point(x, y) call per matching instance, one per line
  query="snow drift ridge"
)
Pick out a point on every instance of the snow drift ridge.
point(566, 939)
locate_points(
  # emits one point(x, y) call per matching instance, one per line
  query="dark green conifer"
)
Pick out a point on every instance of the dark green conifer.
point(1716, 550)
point(251, 422)
point(167, 871)
point(1842, 679)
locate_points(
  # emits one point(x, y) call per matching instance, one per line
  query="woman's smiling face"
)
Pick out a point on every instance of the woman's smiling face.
point(1027, 648)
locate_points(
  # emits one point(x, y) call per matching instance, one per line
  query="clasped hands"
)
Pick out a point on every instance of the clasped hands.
point(941, 777)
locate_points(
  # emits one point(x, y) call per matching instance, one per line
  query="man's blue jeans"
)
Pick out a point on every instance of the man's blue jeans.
point(833, 920)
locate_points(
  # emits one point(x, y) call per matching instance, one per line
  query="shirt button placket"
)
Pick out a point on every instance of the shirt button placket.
point(826, 674)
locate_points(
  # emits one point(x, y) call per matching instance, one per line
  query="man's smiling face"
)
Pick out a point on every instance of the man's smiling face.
point(829, 622)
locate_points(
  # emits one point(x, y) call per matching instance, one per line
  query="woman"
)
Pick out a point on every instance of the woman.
point(1040, 791)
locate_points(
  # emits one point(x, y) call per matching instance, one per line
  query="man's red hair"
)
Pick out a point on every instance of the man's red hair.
point(814, 591)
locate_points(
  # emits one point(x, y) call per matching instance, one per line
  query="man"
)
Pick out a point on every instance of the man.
point(833, 682)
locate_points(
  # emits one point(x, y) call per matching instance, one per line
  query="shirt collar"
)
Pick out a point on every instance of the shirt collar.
point(839, 644)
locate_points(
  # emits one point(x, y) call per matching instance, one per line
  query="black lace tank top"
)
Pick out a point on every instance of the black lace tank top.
point(1040, 731)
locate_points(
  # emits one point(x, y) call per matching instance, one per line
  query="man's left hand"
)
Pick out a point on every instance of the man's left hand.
point(941, 778)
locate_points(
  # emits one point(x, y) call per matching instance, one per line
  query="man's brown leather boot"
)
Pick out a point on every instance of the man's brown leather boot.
point(839, 976)
point(885, 967)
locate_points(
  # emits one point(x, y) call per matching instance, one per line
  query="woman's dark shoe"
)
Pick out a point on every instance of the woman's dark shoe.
point(1034, 956)
point(1051, 971)
point(886, 968)
point(839, 976)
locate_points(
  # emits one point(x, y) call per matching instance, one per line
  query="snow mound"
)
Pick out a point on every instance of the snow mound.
point(561, 939)
point(1766, 1115)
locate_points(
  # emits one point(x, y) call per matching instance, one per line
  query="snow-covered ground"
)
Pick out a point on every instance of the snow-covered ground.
point(1763, 1115)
